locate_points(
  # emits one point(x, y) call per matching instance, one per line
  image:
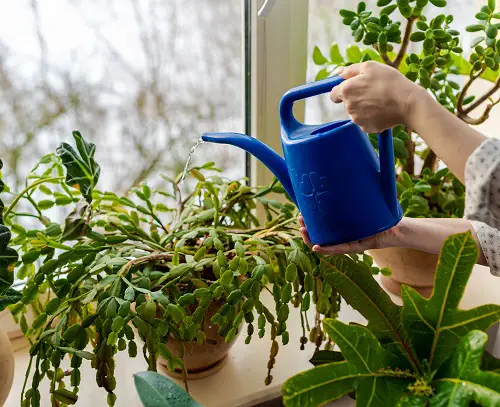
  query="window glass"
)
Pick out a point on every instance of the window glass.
point(142, 79)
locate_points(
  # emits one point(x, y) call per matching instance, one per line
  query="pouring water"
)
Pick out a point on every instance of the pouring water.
point(189, 157)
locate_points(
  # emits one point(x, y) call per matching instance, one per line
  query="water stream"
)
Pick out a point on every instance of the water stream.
point(189, 157)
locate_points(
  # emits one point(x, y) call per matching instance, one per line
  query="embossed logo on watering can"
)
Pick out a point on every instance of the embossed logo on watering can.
point(314, 192)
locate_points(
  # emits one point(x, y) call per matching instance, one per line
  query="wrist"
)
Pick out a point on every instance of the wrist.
point(417, 100)
point(404, 232)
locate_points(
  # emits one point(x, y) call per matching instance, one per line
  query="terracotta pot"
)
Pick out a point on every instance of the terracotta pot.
point(6, 366)
point(411, 267)
point(202, 360)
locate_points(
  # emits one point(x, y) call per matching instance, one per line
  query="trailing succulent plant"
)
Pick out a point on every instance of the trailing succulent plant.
point(123, 272)
point(429, 191)
point(426, 353)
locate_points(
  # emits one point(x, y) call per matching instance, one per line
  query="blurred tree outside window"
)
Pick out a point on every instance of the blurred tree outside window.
point(142, 79)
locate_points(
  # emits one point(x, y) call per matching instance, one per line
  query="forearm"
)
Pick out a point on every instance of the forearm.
point(451, 139)
point(428, 235)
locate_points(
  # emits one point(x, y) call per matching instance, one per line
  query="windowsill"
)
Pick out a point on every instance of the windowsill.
point(240, 383)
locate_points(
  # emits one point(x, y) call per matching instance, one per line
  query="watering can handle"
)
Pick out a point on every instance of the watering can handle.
point(386, 149)
point(303, 92)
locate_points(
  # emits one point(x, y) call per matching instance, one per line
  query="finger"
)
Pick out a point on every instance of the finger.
point(338, 249)
point(337, 95)
point(301, 222)
point(345, 248)
point(350, 71)
point(305, 236)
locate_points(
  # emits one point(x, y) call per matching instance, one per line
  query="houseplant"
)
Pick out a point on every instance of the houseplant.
point(425, 188)
point(8, 257)
point(155, 261)
point(425, 353)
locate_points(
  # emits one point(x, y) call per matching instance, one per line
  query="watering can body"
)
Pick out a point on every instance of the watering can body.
point(344, 191)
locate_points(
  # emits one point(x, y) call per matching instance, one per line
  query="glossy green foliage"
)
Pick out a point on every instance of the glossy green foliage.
point(425, 353)
point(435, 65)
point(127, 273)
point(156, 390)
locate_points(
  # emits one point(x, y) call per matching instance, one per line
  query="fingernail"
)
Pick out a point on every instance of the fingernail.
point(339, 70)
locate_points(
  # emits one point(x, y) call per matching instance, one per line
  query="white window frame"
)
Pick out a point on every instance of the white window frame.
point(278, 62)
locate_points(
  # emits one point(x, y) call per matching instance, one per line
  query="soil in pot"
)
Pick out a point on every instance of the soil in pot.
point(202, 360)
point(6, 367)
point(408, 266)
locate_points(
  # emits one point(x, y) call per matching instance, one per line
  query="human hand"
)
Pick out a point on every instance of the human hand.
point(377, 96)
point(389, 238)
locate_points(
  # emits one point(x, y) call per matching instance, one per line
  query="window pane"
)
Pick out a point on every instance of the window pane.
point(141, 78)
point(325, 27)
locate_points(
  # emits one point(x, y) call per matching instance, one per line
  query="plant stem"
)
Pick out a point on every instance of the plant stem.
point(26, 379)
point(431, 160)
point(404, 44)
point(27, 189)
point(483, 98)
point(146, 259)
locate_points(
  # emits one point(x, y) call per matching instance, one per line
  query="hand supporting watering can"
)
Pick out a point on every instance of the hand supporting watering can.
point(378, 97)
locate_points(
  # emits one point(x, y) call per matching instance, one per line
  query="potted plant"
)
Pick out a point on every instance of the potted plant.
point(425, 188)
point(153, 269)
point(8, 257)
point(426, 353)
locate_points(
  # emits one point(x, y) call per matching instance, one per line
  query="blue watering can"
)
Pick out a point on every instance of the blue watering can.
point(331, 171)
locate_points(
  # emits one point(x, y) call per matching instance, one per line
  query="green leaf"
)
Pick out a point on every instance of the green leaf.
point(8, 257)
point(347, 13)
point(356, 285)
point(353, 54)
point(82, 171)
point(400, 150)
point(388, 10)
point(156, 390)
point(460, 381)
point(491, 5)
point(322, 357)
point(335, 56)
point(365, 371)
point(438, 3)
point(435, 325)
point(474, 28)
point(318, 57)
point(9, 297)
point(45, 204)
point(417, 36)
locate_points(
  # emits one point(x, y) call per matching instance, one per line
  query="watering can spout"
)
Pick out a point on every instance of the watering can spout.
point(259, 150)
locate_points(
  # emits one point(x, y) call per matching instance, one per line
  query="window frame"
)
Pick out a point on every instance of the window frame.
point(275, 60)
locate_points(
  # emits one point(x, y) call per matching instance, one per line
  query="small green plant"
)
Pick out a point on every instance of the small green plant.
point(156, 390)
point(425, 191)
point(426, 353)
point(122, 273)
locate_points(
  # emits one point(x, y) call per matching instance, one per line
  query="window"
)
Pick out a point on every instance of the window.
point(143, 79)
